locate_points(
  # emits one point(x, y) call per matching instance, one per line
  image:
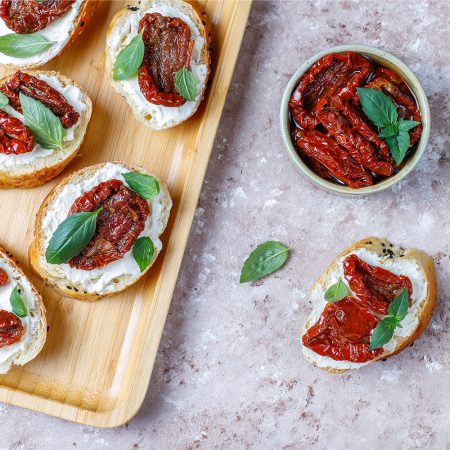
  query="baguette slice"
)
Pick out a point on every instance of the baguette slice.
point(416, 264)
point(116, 276)
point(63, 31)
point(36, 168)
point(124, 27)
point(35, 323)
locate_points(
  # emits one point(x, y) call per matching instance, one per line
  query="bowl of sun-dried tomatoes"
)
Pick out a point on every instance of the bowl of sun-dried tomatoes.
point(355, 119)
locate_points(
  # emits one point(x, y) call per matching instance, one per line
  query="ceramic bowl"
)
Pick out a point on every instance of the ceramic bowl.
point(387, 60)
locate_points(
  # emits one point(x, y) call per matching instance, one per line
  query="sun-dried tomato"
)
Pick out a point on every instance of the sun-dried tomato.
point(343, 332)
point(11, 328)
point(118, 225)
point(3, 277)
point(39, 90)
point(15, 137)
point(29, 16)
point(374, 287)
point(326, 101)
point(168, 48)
point(334, 158)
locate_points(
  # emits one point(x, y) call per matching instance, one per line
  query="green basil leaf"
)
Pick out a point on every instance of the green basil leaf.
point(129, 59)
point(382, 334)
point(378, 107)
point(22, 45)
point(144, 185)
point(398, 146)
point(389, 131)
point(398, 308)
point(337, 291)
point(45, 126)
point(143, 252)
point(71, 237)
point(17, 304)
point(265, 259)
point(4, 100)
point(406, 125)
point(186, 84)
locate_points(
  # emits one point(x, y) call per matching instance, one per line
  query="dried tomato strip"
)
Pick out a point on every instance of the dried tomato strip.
point(118, 225)
point(15, 137)
point(374, 287)
point(3, 277)
point(338, 162)
point(11, 328)
point(39, 90)
point(343, 332)
point(359, 148)
point(168, 48)
point(29, 16)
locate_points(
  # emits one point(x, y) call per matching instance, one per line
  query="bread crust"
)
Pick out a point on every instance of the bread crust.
point(84, 16)
point(202, 22)
point(32, 177)
point(426, 264)
point(37, 249)
point(40, 335)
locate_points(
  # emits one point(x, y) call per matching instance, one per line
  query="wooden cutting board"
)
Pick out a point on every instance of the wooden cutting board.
point(96, 365)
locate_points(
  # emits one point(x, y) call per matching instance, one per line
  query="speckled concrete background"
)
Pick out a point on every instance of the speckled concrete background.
point(229, 373)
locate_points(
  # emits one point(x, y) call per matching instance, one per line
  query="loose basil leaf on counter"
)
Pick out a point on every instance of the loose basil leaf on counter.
point(397, 311)
point(22, 45)
point(129, 59)
point(143, 252)
point(144, 185)
point(265, 259)
point(378, 107)
point(337, 291)
point(17, 304)
point(71, 237)
point(4, 100)
point(45, 126)
point(186, 84)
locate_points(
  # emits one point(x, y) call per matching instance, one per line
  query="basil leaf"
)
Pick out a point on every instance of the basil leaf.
point(265, 259)
point(17, 304)
point(4, 100)
point(337, 291)
point(389, 131)
point(378, 107)
point(186, 84)
point(406, 125)
point(71, 237)
point(45, 126)
point(129, 59)
point(144, 185)
point(22, 45)
point(143, 252)
point(382, 334)
point(398, 146)
point(398, 308)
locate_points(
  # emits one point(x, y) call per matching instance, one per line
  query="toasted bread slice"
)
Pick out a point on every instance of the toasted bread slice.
point(39, 166)
point(116, 276)
point(415, 264)
point(63, 31)
point(124, 27)
point(34, 323)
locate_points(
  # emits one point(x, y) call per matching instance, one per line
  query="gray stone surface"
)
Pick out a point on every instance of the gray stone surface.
point(229, 372)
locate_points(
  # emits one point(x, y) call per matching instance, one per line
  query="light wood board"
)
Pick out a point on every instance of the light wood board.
point(96, 365)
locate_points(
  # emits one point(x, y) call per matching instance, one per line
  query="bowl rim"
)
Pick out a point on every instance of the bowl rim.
point(413, 83)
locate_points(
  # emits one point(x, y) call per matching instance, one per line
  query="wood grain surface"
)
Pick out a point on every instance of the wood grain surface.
point(97, 362)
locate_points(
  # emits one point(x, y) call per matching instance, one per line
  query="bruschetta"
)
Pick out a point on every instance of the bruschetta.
point(32, 32)
point(372, 302)
point(157, 58)
point(23, 325)
point(38, 139)
point(98, 231)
